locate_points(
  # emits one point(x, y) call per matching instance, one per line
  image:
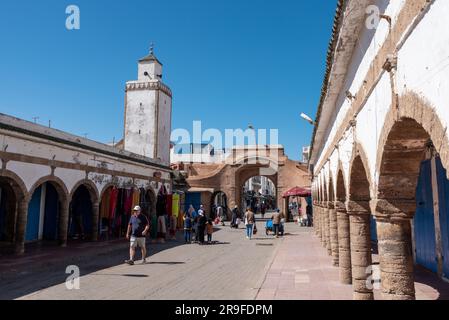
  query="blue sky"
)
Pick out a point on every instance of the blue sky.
point(228, 62)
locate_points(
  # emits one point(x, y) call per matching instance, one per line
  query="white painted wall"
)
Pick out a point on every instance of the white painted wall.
point(370, 41)
point(423, 61)
point(29, 173)
point(140, 122)
point(164, 128)
point(423, 67)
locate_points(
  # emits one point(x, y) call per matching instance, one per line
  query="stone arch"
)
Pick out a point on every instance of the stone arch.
point(84, 210)
point(61, 213)
point(359, 155)
point(340, 194)
point(325, 189)
point(248, 171)
point(411, 133)
point(91, 187)
point(13, 196)
point(358, 208)
point(333, 235)
point(413, 106)
point(56, 182)
point(105, 188)
point(17, 183)
point(344, 241)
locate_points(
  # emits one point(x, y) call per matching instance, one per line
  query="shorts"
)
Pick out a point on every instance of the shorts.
point(137, 242)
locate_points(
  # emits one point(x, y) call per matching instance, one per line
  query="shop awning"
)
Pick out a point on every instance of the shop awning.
point(195, 189)
point(298, 192)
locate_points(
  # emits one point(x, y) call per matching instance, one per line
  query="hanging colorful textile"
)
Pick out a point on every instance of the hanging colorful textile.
point(128, 201)
point(175, 205)
point(113, 203)
point(105, 204)
point(169, 204)
point(136, 197)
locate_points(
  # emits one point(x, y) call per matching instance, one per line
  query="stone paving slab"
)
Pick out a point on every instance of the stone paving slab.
point(302, 270)
point(234, 268)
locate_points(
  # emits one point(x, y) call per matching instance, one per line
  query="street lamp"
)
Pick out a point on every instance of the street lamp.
point(308, 119)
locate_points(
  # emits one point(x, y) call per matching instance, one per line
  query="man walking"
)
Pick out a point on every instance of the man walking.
point(137, 230)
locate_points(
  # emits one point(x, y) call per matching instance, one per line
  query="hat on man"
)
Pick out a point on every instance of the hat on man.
point(137, 208)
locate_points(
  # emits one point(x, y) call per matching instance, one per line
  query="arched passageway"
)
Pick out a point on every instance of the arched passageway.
point(344, 242)
point(83, 221)
point(259, 193)
point(219, 198)
point(8, 210)
point(333, 226)
point(12, 204)
point(47, 217)
point(410, 205)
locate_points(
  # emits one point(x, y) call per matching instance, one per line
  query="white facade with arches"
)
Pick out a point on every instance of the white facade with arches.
point(383, 113)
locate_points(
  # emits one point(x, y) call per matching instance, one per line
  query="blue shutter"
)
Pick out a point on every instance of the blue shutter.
point(424, 220)
point(32, 230)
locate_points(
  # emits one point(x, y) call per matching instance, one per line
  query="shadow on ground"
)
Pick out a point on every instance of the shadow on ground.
point(46, 267)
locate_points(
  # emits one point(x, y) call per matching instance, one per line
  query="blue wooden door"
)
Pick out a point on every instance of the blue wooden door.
point(34, 208)
point(193, 198)
point(424, 222)
point(373, 229)
point(443, 188)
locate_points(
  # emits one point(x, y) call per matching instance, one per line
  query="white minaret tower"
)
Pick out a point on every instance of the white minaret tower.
point(148, 107)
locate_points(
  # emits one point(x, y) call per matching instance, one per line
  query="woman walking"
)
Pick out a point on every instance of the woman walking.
point(202, 220)
point(249, 222)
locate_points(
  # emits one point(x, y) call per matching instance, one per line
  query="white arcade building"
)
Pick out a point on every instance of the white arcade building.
point(46, 175)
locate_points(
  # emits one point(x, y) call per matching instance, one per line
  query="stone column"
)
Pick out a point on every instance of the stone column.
point(95, 220)
point(320, 218)
point(344, 243)
point(316, 220)
point(63, 222)
point(394, 234)
point(327, 227)
point(333, 234)
point(22, 218)
point(359, 220)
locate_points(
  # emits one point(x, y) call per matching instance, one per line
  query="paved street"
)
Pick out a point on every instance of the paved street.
point(294, 267)
point(233, 268)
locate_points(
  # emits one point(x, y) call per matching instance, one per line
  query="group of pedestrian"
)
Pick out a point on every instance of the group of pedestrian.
point(195, 223)
point(199, 225)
